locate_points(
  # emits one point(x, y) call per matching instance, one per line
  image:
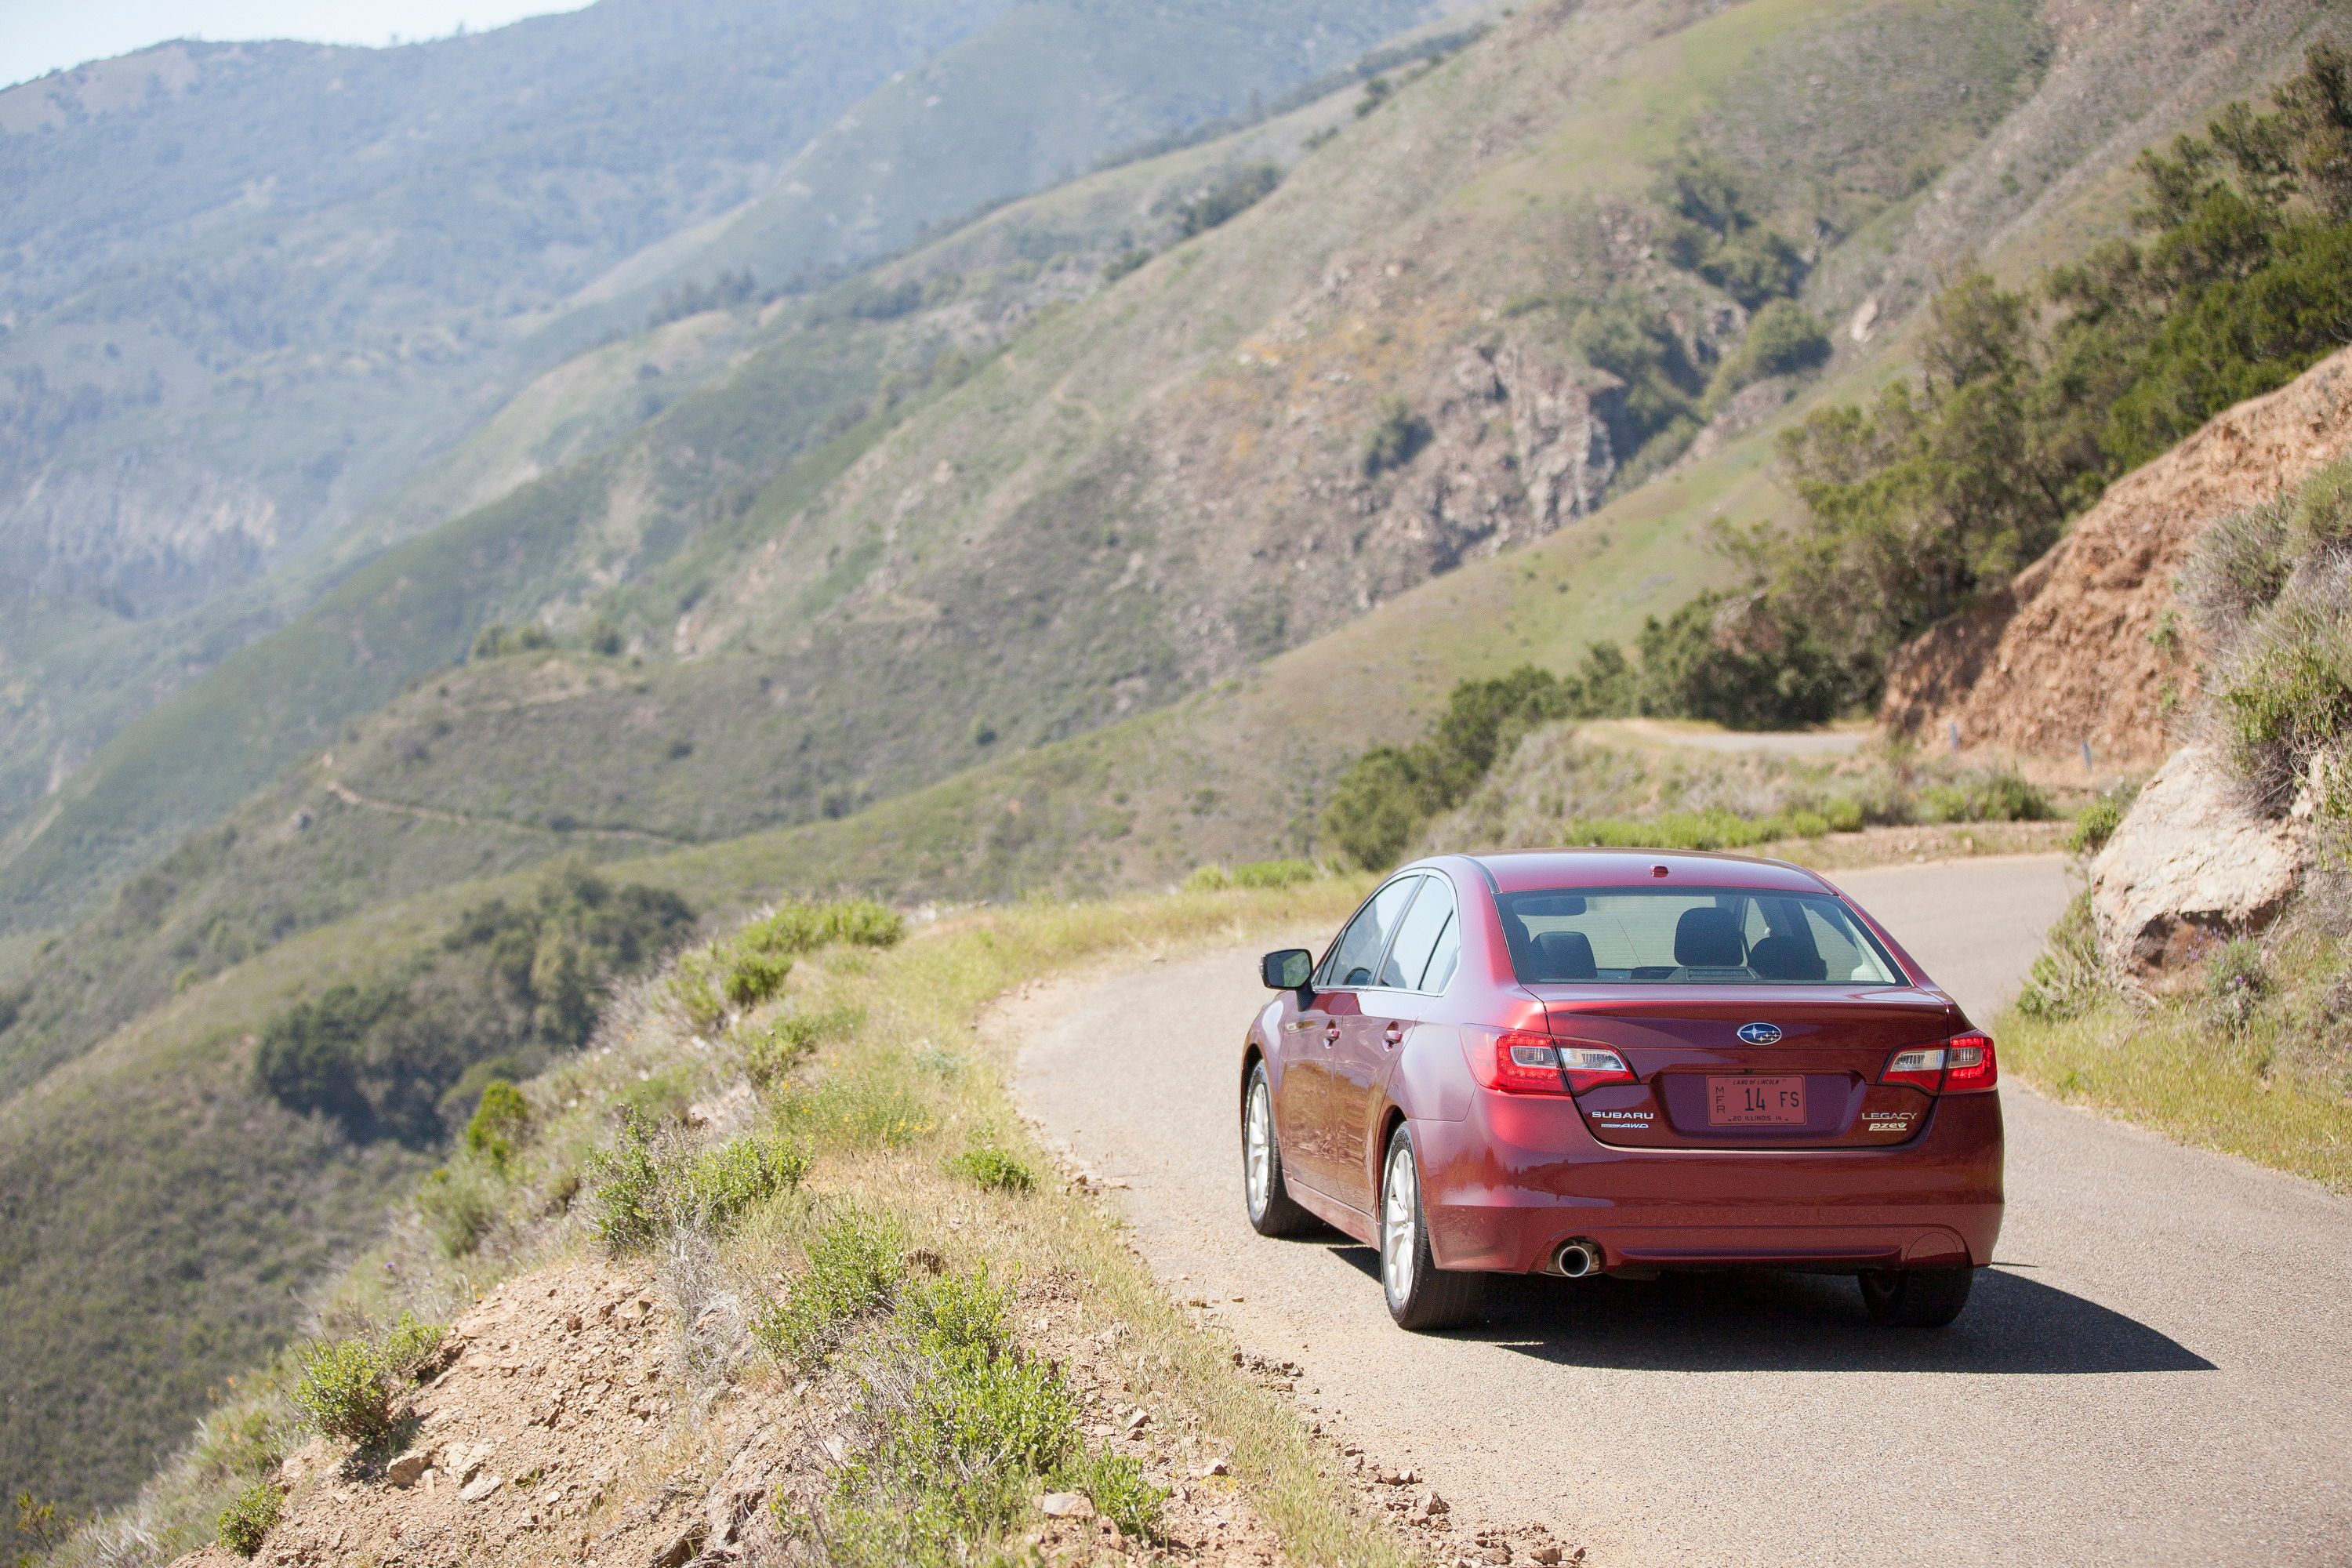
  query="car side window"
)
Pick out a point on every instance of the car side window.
point(1361, 946)
point(1447, 958)
point(1417, 936)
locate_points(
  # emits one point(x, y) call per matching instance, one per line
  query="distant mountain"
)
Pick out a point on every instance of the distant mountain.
point(246, 291)
point(245, 287)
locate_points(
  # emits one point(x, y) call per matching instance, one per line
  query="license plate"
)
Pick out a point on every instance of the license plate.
point(1755, 1103)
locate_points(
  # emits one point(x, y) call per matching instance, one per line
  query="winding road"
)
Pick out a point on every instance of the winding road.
point(2158, 1369)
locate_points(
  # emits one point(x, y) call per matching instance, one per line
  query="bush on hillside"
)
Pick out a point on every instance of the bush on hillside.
point(1628, 335)
point(1734, 660)
point(1783, 339)
point(1272, 874)
point(773, 1052)
point(991, 1167)
point(966, 1428)
point(510, 984)
point(2271, 588)
point(1715, 231)
point(2027, 404)
point(500, 1121)
point(1230, 196)
point(345, 1391)
point(1382, 801)
point(857, 1264)
point(250, 1518)
point(497, 641)
point(1396, 439)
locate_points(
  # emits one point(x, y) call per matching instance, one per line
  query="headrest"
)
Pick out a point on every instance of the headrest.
point(1566, 956)
point(1783, 958)
point(1708, 938)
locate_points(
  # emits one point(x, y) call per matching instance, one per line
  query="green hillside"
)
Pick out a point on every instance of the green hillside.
point(235, 330)
point(1379, 599)
point(1166, 481)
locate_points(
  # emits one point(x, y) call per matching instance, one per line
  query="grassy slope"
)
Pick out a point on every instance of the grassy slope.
point(1228, 772)
point(884, 587)
point(410, 400)
point(918, 1005)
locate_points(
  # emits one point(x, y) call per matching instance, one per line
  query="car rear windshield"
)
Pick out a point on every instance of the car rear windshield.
point(1689, 936)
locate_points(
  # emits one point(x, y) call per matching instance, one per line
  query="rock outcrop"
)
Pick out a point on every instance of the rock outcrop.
point(2189, 866)
point(2079, 647)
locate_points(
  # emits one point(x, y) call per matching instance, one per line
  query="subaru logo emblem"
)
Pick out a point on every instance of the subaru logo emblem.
point(1760, 1033)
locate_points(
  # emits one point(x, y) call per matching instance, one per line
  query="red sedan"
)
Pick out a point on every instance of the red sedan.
point(1616, 1062)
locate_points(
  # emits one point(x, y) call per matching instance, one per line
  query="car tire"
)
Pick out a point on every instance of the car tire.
point(1421, 1295)
point(1916, 1298)
point(1272, 1210)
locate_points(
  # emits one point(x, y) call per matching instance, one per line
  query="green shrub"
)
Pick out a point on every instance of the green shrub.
point(1996, 797)
point(457, 1208)
point(978, 1427)
point(753, 977)
point(2070, 977)
point(412, 1349)
point(1783, 338)
point(1116, 1485)
point(695, 987)
point(1270, 873)
point(795, 929)
point(856, 1265)
point(2236, 978)
point(1397, 438)
point(248, 1521)
point(500, 1122)
point(1228, 198)
point(625, 1185)
point(1388, 793)
point(344, 1392)
point(719, 1186)
point(1274, 873)
point(991, 1167)
point(2098, 822)
point(1737, 660)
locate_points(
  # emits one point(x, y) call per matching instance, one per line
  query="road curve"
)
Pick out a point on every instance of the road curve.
point(2159, 1369)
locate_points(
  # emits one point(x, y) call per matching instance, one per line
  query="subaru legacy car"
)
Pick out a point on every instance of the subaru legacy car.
point(1589, 1062)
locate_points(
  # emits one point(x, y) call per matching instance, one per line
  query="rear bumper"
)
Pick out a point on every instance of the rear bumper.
point(1505, 1185)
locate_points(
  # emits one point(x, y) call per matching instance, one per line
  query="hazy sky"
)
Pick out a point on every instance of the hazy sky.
point(38, 37)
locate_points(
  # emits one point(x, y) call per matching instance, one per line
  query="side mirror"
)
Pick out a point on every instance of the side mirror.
point(1287, 970)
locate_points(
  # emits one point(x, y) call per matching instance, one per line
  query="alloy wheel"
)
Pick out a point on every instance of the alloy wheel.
point(1399, 1232)
point(1257, 1148)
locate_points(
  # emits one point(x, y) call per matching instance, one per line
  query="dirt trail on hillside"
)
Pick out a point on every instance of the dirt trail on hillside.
point(2156, 1371)
point(2078, 647)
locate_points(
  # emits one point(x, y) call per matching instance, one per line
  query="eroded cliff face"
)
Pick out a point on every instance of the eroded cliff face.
point(2088, 644)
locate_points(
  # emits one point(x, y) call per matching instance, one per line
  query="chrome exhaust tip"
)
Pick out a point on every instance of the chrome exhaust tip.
point(1577, 1259)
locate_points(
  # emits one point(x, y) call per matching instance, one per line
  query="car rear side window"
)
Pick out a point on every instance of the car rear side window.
point(1357, 953)
point(1417, 938)
point(1689, 936)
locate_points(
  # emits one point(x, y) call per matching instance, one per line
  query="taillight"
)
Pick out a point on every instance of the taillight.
point(1961, 1065)
point(1517, 1061)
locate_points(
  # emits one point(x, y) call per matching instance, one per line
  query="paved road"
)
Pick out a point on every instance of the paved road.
point(2158, 1371)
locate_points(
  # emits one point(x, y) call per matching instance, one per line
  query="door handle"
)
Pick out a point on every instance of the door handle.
point(1394, 1035)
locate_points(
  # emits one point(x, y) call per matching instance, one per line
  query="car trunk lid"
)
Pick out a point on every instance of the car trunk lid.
point(1799, 1067)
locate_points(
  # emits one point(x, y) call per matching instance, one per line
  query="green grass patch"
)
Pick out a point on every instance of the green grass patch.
point(2256, 1061)
point(993, 1169)
point(246, 1522)
point(856, 1262)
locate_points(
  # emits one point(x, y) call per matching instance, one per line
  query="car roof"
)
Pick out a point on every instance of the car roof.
point(1532, 870)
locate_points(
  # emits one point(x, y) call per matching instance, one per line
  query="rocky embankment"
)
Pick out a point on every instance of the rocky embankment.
point(2088, 643)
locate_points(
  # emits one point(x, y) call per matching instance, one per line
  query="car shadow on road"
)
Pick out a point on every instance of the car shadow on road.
point(1760, 1320)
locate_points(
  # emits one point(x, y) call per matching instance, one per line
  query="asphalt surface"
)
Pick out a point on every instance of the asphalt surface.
point(2158, 1370)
